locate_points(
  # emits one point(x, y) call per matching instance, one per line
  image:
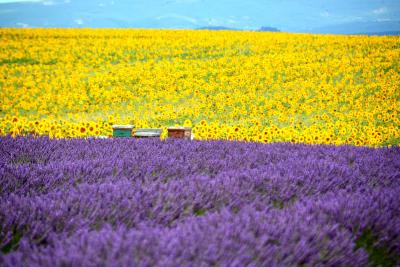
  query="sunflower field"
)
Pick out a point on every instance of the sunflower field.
point(233, 85)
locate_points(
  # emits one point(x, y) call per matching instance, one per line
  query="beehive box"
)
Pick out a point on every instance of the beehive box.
point(147, 133)
point(122, 130)
point(180, 132)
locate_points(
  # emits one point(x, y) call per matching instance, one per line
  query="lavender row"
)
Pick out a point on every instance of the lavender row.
point(179, 203)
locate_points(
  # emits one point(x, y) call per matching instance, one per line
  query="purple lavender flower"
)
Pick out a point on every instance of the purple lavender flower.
point(129, 202)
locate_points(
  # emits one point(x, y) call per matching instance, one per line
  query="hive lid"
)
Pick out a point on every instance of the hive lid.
point(147, 134)
point(124, 127)
point(149, 130)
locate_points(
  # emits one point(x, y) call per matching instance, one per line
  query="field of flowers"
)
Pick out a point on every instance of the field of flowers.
point(253, 86)
point(324, 191)
point(127, 202)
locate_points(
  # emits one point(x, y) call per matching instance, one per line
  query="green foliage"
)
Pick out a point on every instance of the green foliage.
point(14, 242)
point(199, 211)
point(25, 61)
point(19, 61)
point(378, 255)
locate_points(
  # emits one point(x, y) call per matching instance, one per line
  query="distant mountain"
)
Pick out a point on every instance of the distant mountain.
point(268, 29)
point(367, 27)
point(217, 28)
point(389, 33)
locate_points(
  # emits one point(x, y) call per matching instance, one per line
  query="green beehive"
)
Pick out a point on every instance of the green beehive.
point(122, 130)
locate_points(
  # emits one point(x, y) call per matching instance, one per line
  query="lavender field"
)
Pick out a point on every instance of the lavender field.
point(128, 202)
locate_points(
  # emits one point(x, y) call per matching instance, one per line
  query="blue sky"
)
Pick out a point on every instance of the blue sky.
point(325, 16)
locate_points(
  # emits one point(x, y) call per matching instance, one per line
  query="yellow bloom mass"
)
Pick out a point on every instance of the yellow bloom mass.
point(253, 86)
